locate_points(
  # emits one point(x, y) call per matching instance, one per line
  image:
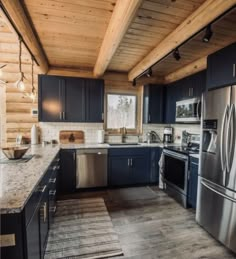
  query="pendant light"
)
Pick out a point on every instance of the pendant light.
point(33, 93)
point(20, 83)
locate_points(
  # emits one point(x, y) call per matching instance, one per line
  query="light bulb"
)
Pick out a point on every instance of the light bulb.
point(21, 85)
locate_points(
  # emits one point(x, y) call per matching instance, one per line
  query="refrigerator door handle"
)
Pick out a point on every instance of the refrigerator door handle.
point(228, 146)
point(218, 192)
point(222, 144)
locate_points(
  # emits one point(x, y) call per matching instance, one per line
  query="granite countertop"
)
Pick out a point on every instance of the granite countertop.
point(18, 181)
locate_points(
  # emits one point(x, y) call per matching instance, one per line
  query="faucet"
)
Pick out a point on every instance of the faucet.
point(123, 132)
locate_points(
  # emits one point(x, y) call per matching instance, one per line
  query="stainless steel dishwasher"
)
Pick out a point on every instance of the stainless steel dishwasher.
point(91, 168)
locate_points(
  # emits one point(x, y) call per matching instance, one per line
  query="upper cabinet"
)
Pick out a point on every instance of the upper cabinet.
point(221, 67)
point(153, 104)
point(189, 87)
point(67, 99)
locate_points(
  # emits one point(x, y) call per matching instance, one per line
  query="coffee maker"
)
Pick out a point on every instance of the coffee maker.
point(168, 135)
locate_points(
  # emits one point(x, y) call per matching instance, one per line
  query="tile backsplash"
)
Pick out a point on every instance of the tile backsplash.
point(51, 131)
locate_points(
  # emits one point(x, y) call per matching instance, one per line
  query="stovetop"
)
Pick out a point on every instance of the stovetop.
point(184, 149)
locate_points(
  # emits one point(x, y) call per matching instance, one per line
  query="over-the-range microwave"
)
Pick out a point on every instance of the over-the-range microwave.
point(188, 111)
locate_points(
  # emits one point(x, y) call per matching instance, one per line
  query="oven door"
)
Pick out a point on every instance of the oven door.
point(176, 170)
point(188, 110)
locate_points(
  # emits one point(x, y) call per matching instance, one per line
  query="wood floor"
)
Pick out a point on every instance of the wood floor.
point(159, 228)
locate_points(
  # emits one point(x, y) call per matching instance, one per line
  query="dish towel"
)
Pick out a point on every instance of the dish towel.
point(161, 171)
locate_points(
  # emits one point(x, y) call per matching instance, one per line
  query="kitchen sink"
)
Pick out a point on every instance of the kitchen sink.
point(124, 144)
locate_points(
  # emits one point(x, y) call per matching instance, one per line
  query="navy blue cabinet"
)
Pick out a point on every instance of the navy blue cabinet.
point(70, 99)
point(128, 166)
point(67, 175)
point(94, 100)
point(153, 104)
point(154, 156)
point(189, 87)
point(193, 182)
point(221, 67)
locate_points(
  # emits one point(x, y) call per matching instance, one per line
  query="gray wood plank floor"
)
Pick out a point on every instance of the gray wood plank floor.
point(159, 228)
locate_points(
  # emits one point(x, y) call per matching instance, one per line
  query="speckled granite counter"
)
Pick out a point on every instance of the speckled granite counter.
point(17, 181)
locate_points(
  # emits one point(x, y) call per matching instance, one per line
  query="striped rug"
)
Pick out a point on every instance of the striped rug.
point(82, 228)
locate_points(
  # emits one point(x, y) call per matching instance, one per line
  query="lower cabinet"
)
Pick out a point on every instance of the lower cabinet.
point(67, 176)
point(28, 230)
point(128, 166)
point(193, 182)
point(155, 155)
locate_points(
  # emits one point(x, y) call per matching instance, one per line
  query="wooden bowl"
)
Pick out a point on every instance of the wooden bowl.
point(14, 152)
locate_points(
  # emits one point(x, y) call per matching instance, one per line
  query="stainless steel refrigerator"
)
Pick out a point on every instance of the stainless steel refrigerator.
point(216, 204)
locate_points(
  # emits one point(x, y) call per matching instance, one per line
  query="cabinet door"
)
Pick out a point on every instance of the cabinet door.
point(74, 100)
point(221, 70)
point(153, 104)
point(44, 221)
point(33, 237)
point(50, 99)
point(193, 184)
point(94, 100)
point(119, 173)
point(67, 174)
point(171, 97)
point(139, 169)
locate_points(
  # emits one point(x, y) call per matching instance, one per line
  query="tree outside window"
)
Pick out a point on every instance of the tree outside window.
point(121, 111)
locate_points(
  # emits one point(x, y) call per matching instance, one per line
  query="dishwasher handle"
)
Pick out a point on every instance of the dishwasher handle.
point(98, 151)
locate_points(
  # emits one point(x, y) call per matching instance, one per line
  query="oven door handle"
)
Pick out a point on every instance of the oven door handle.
point(175, 155)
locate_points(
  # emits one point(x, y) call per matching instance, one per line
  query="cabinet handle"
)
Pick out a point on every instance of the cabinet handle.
point(54, 168)
point(43, 210)
point(58, 160)
point(60, 115)
point(52, 180)
point(63, 115)
point(234, 72)
point(128, 162)
point(53, 193)
point(53, 209)
point(189, 92)
point(42, 189)
point(149, 118)
point(74, 156)
point(102, 116)
point(58, 167)
point(131, 161)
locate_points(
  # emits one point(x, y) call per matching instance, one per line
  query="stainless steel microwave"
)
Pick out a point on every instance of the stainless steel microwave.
point(188, 111)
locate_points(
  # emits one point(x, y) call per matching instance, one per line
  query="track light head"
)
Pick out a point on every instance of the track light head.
point(149, 72)
point(134, 82)
point(208, 34)
point(176, 54)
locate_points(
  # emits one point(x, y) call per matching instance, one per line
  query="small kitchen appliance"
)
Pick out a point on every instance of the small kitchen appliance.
point(168, 135)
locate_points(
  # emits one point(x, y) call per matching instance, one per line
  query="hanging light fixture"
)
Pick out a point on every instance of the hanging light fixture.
point(208, 34)
point(176, 54)
point(20, 83)
point(149, 72)
point(33, 93)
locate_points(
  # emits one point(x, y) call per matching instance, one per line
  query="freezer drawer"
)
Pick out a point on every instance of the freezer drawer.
point(216, 213)
point(91, 168)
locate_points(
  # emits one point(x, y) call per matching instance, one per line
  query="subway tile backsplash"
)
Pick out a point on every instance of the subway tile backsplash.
point(51, 131)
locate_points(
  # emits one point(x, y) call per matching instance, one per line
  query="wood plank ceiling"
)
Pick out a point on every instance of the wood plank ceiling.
point(71, 32)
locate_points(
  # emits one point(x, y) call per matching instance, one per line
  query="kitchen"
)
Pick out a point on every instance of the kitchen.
point(124, 113)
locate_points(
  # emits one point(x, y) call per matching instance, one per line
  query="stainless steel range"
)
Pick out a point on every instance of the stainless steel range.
point(176, 167)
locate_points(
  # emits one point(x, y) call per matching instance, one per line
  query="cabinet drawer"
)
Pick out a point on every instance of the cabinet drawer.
point(128, 151)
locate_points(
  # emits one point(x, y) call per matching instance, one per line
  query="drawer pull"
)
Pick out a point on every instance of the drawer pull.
point(58, 160)
point(53, 209)
point(52, 180)
point(42, 189)
point(43, 211)
point(58, 167)
point(53, 193)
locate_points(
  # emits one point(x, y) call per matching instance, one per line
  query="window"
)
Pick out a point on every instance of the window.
point(121, 111)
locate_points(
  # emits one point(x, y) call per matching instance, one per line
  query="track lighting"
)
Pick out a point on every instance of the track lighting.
point(208, 34)
point(134, 82)
point(149, 72)
point(176, 54)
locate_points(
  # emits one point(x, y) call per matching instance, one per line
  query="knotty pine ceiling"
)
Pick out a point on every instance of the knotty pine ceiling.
point(71, 33)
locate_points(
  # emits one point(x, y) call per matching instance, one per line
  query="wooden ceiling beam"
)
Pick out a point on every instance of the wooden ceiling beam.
point(205, 14)
point(20, 20)
point(192, 68)
point(122, 16)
